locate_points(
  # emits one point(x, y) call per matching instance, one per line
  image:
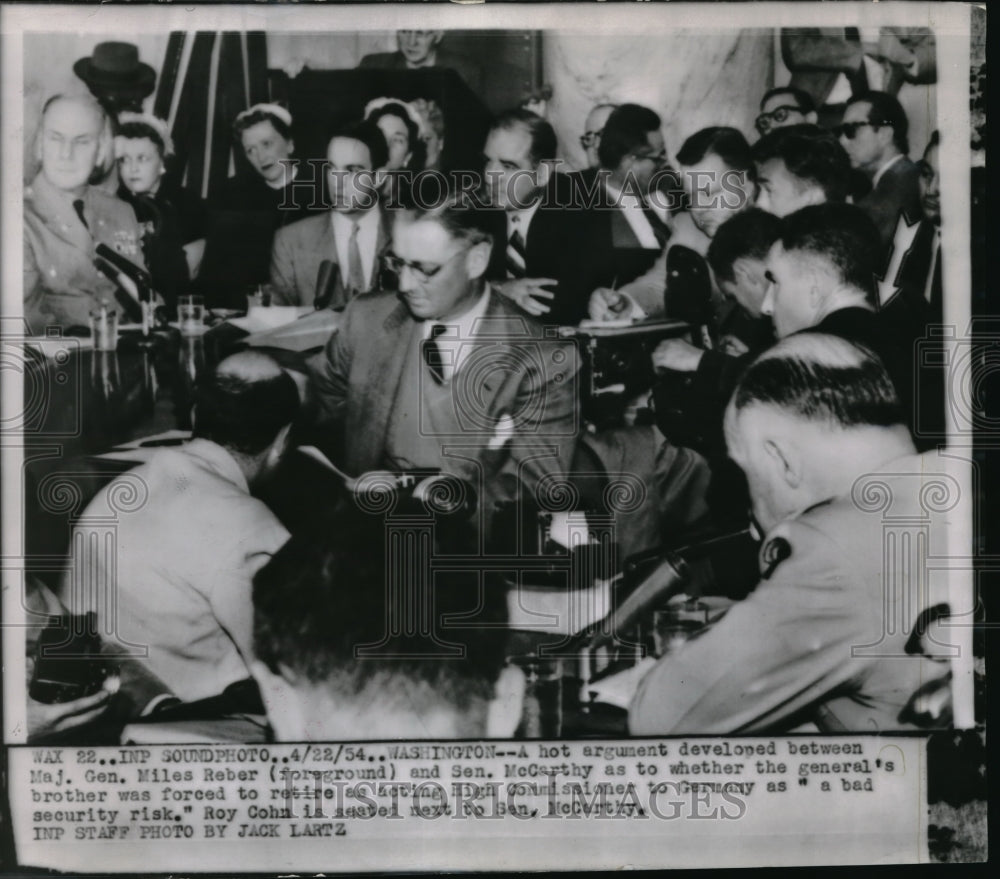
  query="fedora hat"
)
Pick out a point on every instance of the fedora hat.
point(116, 67)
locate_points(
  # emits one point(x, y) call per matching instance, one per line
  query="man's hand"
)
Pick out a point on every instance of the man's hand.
point(607, 304)
point(733, 346)
point(43, 719)
point(676, 355)
point(526, 292)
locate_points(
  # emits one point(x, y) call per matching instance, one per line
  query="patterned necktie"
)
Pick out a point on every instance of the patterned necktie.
point(355, 273)
point(516, 265)
point(432, 353)
point(78, 207)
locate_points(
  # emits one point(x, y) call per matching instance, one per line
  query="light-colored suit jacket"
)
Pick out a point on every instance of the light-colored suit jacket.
point(521, 379)
point(300, 248)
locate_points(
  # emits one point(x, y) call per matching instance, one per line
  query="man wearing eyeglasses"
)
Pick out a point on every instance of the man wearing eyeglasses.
point(447, 375)
point(590, 140)
point(782, 106)
point(351, 236)
point(875, 134)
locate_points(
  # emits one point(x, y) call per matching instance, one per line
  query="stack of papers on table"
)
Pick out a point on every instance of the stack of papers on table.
point(305, 330)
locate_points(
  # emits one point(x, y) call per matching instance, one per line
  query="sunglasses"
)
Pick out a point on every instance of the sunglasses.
point(850, 129)
point(421, 271)
point(777, 116)
point(589, 138)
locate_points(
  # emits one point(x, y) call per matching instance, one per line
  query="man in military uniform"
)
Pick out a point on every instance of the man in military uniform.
point(832, 633)
point(65, 217)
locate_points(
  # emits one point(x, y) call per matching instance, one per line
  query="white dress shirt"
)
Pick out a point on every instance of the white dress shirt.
point(454, 342)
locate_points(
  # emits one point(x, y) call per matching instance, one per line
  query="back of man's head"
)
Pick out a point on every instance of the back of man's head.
point(544, 144)
point(341, 622)
point(813, 156)
point(245, 403)
point(627, 129)
point(747, 235)
point(822, 379)
point(841, 235)
point(368, 133)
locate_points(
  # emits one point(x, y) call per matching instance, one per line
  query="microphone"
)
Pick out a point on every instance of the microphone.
point(139, 276)
point(325, 283)
point(128, 303)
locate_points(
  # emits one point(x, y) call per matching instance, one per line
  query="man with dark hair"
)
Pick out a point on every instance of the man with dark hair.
point(352, 236)
point(874, 133)
point(333, 664)
point(800, 165)
point(829, 636)
point(447, 375)
point(189, 535)
point(538, 239)
point(715, 173)
point(627, 231)
point(784, 105)
point(822, 274)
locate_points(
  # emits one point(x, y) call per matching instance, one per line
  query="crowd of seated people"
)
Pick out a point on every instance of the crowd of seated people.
point(447, 358)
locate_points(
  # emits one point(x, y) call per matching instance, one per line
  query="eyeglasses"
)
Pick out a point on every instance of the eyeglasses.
point(590, 138)
point(659, 158)
point(778, 116)
point(850, 129)
point(421, 271)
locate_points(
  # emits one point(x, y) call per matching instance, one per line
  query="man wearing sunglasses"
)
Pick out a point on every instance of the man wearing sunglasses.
point(447, 375)
point(784, 106)
point(875, 134)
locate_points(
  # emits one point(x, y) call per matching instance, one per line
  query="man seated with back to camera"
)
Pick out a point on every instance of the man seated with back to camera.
point(178, 580)
point(329, 667)
point(814, 421)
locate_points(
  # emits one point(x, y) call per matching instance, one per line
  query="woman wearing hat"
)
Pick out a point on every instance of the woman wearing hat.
point(254, 204)
point(169, 219)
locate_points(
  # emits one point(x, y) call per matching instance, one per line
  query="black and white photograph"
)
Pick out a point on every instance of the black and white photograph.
point(551, 438)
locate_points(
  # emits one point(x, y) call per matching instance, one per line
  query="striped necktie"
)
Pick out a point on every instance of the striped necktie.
point(516, 263)
point(432, 353)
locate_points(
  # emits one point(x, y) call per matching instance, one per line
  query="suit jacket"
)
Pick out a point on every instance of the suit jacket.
point(465, 67)
point(827, 635)
point(61, 285)
point(532, 381)
point(301, 247)
point(897, 191)
point(610, 254)
point(552, 250)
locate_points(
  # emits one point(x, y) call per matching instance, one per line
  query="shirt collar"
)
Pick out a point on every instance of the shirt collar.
point(218, 459)
point(462, 327)
point(521, 220)
point(345, 223)
point(881, 171)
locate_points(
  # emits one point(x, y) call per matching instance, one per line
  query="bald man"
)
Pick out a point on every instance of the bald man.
point(178, 579)
point(832, 633)
point(65, 218)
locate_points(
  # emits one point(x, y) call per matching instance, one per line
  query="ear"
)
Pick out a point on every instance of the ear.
point(812, 118)
point(279, 446)
point(785, 461)
point(814, 195)
point(291, 147)
point(281, 701)
point(504, 711)
point(478, 259)
point(437, 37)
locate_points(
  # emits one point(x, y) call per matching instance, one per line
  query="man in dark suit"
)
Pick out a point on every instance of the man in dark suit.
point(419, 49)
point(538, 227)
point(452, 377)
point(352, 236)
point(874, 133)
